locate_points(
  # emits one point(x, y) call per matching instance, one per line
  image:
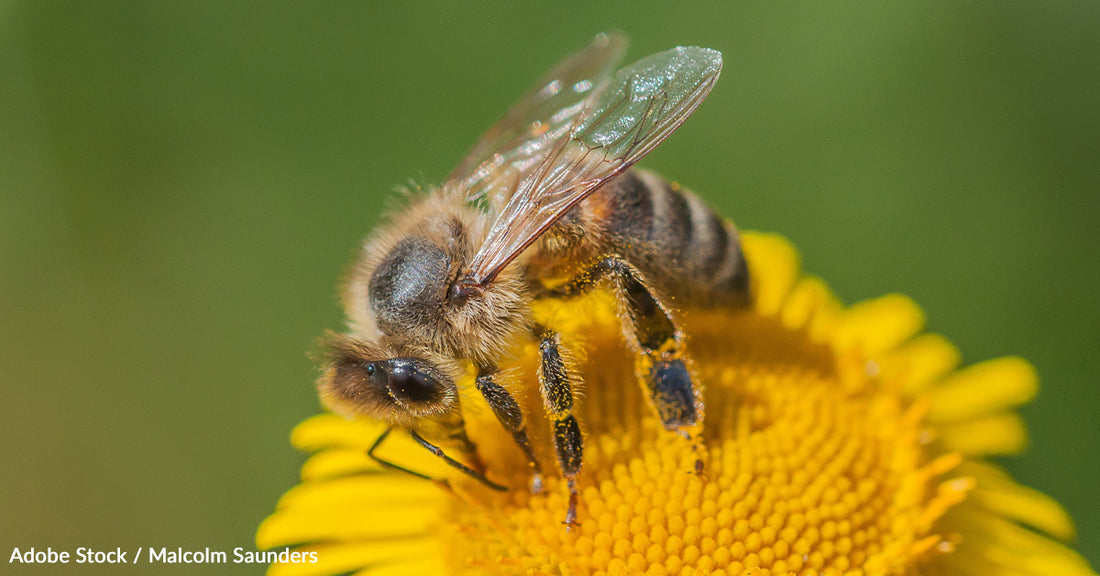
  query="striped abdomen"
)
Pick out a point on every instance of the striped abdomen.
point(669, 234)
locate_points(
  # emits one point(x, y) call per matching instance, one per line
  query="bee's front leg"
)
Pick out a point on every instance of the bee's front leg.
point(508, 412)
point(476, 475)
point(557, 395)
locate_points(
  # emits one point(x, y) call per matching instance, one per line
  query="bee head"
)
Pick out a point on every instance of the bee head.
point(387, 381)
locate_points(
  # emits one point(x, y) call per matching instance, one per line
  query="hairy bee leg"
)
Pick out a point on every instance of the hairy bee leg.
point(434, 450)
point(510, 415)
point(659, 341)
point(557, 395)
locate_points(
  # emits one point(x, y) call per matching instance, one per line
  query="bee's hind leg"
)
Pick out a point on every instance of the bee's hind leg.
point(656, 337)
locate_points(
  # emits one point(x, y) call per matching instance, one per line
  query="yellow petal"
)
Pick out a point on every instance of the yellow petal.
point(416, 565)
point(807, 297)
point(997, 492)
point(921, 362)
point(1000, 433)
point(876, 326)
point(338, 462)
point(352, 522)
point(981, 389)
point(365, 489)
point(991, 544)
point(347, 557)
point(774, 266)
point(326, 430)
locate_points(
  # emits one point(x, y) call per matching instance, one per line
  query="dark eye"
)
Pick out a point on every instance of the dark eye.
point(411, 384)
point(414, 383)
point(361, 381)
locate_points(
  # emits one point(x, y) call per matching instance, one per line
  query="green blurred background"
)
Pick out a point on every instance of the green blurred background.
point(182, 183)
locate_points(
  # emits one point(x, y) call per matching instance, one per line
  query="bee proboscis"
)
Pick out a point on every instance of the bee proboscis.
point(546, 193)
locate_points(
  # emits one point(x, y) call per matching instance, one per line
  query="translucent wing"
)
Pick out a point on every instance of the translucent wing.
point(537, 120)
point(615, 126)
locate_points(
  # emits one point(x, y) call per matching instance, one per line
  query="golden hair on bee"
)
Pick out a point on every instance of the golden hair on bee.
point(400, 280)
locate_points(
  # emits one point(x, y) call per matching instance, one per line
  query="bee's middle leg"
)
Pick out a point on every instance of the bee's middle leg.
point(557, 395)
point(658, 339)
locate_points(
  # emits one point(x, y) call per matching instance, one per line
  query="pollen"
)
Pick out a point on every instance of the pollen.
point(837, 440)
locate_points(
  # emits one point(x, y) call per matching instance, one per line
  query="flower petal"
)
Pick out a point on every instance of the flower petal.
point(347, 557)
point(920, 363)
point(997, 492)
point(876, 326)
point(982, 389)
point(326, 430)
point(805, 302)
point(991, 544)
point(774, 265)
point(356, 522)
point(338, 462)
point(1000, 433)
point(364, 490)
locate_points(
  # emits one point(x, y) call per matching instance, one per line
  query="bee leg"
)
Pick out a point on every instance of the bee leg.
point(455, 463)
point(390, 465)
point(659, 341)
point(557, 395)
point(469, 449)
point(510, 415)
point(434, 450)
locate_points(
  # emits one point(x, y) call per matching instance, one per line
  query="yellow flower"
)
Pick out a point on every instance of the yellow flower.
point(837, 440)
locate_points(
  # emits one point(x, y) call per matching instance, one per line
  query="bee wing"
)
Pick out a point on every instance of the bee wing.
point(536, 121)
point(616, 126)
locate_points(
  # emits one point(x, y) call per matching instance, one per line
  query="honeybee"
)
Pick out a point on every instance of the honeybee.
point(546, 193)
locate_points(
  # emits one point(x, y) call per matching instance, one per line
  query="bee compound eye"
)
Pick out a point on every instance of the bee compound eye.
point(412, 382)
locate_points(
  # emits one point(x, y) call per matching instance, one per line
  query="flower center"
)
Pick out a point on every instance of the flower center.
point(809, 462)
